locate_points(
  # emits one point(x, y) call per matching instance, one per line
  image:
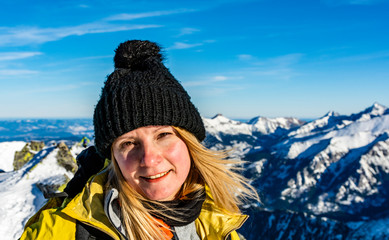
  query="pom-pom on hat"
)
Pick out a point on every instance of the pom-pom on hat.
point(140, 92)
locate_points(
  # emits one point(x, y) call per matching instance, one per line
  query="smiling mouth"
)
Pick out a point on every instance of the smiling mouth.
point(157, 176)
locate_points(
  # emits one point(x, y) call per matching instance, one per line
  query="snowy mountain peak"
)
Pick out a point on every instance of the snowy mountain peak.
point(262, 125)
point(319, 123)
point(254, 120)
point(222, 119)
point(373, 111)
point(217, 115)
point(221, 125)
point(326, 119)
point(376, 109)
point(266, 125)
point(331, 114)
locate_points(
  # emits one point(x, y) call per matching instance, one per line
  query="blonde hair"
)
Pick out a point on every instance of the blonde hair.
point(212, 168)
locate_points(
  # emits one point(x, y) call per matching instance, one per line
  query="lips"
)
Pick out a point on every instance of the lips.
point(156, 177)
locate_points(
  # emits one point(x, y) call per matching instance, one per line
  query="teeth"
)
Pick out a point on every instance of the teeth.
point(158, 175)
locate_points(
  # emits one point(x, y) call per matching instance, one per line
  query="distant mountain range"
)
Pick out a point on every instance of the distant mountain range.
point(45, 129)
point(323, 179)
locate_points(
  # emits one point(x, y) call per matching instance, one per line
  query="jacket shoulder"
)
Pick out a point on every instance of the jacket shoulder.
point(218, 223)
point(52, 224)
point(51, 204)
point(57, 219)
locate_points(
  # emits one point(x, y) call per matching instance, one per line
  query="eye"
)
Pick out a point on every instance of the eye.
point(164, 134)
point(127, 144)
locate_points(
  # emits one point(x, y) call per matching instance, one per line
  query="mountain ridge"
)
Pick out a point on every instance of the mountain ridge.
point(336, 167)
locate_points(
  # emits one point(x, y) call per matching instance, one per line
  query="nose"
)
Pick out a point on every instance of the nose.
point(151, 155)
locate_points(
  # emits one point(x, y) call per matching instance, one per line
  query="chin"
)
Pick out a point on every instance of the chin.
point(161, 197)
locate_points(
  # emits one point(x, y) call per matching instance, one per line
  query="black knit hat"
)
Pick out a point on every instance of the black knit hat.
point(140, 92)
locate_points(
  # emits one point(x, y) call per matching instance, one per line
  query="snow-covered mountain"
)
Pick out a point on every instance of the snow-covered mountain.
point(244, 137)
point(323, 179)
point(20, 196)
point(336, 166)
point(334, 170)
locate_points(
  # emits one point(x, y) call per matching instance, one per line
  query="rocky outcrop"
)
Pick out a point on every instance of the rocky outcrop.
point(27, 153)
point(65, 158)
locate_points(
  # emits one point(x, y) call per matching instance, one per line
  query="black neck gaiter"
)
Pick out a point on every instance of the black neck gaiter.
point(178, 212)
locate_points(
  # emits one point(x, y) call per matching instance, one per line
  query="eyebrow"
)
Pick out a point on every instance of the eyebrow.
point(155, 130)
point(160, 127)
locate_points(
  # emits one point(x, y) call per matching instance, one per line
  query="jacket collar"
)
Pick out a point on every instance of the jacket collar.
point(112, 210)
point(215, 221)
point(212, 221)
point(92, 197)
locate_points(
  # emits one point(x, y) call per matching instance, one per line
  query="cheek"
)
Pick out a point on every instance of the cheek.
point(126, 166)
point(181, 159)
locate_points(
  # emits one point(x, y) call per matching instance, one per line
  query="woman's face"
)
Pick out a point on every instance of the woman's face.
point(153, 160)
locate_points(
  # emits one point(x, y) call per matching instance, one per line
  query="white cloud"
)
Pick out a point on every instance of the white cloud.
point(277, 68)
point(220, 78)
point(132, 16)
point(8, 56)
point(25, 35)
point(181, 45)
point(221, 90)
point(245, 57)
point(212, 81)
point(287, 60)
point(187, 31)
point(83, 6)
point(93, 57)
point(284, 60)
point(16, 72)
point(209, 41)
point(21, 36)
point(276, 73)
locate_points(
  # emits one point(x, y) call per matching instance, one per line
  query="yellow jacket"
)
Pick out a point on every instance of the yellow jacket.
point(59, 222)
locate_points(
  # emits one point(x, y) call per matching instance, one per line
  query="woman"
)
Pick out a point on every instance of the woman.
point(160, 182)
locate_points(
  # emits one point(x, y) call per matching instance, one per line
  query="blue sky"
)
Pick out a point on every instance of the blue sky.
point(272, 58)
